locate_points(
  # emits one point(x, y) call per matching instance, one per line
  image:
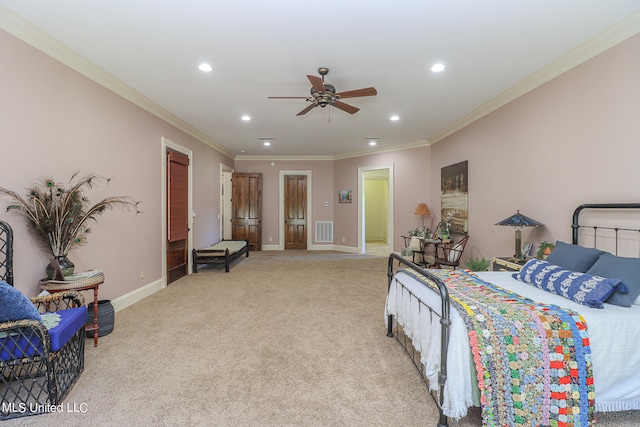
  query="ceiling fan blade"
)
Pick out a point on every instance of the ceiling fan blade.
point(287, 97)
point(346, 107)
point(367, 91)
point(306, 110)
point(316, 82)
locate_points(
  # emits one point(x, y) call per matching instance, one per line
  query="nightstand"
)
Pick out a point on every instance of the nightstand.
point(507, 264)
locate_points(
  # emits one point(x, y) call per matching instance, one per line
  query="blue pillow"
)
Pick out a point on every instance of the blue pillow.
point(582, 288)
point(14, 305)
point(573, 257)
point(625, 269)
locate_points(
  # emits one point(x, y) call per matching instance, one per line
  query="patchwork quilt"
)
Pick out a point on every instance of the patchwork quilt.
point(533, 360)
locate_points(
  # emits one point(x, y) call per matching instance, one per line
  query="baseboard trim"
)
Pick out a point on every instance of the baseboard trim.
point(349, 249)
point(136, 295)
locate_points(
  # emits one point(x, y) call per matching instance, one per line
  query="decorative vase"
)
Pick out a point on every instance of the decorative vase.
point(106, 317)
point(65, 264)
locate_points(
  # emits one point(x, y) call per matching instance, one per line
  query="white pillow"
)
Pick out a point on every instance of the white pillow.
point(415, 243)
point(454, 252)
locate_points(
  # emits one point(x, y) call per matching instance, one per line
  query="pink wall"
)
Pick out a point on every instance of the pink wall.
point(321, 177)
point(573, 140)
point(412, 185)
point(54, 122)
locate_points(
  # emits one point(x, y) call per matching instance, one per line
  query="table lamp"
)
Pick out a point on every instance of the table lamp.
point(422, 210)
point(518, 221)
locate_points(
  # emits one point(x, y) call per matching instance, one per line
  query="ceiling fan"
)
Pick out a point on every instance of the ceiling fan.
point(323, 94)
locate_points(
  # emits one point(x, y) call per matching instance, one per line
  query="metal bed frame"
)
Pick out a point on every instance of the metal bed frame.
point(395, 330)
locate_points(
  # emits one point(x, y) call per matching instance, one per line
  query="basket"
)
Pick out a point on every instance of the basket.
point(62, 285)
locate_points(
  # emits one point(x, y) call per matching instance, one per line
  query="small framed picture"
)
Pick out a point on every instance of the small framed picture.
point(526, 251)
point(344, 196)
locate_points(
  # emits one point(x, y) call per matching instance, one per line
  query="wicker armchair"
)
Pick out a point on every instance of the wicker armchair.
point(38, 366)
point(449, 253)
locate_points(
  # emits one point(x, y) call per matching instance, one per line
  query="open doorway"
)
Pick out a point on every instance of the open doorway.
point(375, 208)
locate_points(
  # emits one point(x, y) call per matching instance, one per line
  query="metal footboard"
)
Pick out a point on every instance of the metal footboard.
point(445, 322)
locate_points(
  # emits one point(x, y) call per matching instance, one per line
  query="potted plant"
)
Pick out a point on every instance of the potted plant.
point(477, 264)
point(544, 250)
point(59, 214)
point(419, 232)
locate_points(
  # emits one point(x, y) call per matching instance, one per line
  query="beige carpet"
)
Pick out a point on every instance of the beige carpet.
point(285, 339)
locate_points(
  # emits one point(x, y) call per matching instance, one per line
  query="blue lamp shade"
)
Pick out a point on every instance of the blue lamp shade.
point(518, 221)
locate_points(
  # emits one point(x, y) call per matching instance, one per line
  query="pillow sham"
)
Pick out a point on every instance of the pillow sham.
point(14, 305)
point(582, 288)
point(625, 269)
point(573, 257)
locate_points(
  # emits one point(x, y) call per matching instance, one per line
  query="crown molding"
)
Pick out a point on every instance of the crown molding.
point(381, 150)
point(285, 158)
point(40, 40)
point(612, 36)
point(340, 156)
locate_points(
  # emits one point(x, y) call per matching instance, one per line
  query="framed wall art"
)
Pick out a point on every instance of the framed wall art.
point(344, 196)
point(454, 196)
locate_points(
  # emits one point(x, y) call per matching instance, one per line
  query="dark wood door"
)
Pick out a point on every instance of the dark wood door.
point(177, 215)
point(246, 203)
point(295, 212)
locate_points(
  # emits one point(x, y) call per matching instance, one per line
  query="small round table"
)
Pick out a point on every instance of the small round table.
point(80, 284)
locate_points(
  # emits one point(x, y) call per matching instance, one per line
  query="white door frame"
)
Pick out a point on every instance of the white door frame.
point(227, 197)
point(361, 210)
point(167, 143)
point(282, 174)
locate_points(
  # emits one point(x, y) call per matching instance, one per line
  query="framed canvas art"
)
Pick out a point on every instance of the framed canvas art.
point(454, 197)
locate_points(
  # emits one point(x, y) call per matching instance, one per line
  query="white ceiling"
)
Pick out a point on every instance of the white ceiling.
point(258, 48)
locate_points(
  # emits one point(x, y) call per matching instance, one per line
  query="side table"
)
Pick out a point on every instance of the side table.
point(80, 284)
point(507, 263)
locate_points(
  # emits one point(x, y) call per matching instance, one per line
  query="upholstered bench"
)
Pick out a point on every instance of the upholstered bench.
point(224, 251)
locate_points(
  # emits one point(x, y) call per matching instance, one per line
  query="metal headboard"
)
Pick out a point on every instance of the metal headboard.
point(6, 253)
point(576, 225)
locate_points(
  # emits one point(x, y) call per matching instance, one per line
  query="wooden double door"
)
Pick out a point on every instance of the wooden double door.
point(247, 210)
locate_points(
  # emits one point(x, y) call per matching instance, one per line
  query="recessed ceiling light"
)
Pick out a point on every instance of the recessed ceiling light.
point(436, 68)
point(246, 118)
point(205, 67)
point(394, 118)
point(372, 143)
point(267, 143)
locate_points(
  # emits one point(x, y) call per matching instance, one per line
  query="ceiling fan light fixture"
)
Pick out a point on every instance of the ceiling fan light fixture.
point(323, 94)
